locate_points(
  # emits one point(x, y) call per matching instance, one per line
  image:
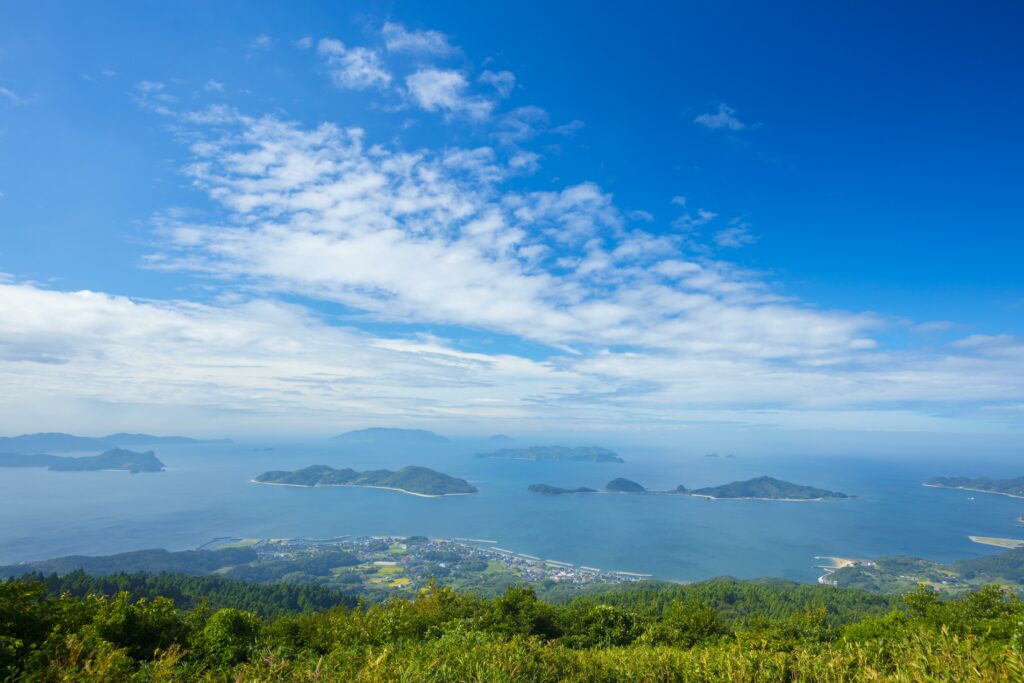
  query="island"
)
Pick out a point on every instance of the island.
point(414, 480)
point(390, 436)
point(62, 443)
point(555, 453)
point(548, 490)
point(764, 488)
point(621, 485)
point(1004, 487)
point(114, 459)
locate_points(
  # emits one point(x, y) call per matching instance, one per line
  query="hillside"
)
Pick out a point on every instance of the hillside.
point(413, 479)
point(114, 459)
point(556, 453)
point(902, 574)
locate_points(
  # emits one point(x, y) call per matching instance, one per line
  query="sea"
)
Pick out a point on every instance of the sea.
point(207, 493)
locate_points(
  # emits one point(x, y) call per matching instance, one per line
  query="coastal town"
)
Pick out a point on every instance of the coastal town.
point(379, 565)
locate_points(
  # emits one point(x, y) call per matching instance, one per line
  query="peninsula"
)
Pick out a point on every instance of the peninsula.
point(1004, 487)
point(418, 481)
point(114, 459)
point(555, 453)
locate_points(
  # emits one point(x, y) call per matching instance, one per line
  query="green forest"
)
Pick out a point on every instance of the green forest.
point(145, 627)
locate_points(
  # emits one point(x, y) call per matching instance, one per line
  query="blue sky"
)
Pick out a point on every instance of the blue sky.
point(651, 217)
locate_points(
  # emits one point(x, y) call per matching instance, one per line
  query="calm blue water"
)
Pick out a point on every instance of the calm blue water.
point(206, 493)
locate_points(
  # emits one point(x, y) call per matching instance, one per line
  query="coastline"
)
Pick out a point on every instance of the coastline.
point(966, 488)
point(360, 486)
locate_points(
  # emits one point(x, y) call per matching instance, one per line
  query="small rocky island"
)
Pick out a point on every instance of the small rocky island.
point(418, 481)
point(114, 459)
point(760, 488)
point(1005, 487)
point(555, 453)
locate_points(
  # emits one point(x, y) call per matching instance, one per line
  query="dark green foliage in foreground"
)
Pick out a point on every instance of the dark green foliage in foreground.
point(772, 632)
point(414, 479)
point(189, 592)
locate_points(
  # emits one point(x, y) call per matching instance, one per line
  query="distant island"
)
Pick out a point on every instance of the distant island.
point(760, 488)
point(557, 490)
point(418, 481)
point(114, 459)
point(1005, 487)
point(387, 436)
point(767, 488)
point(501, 438)
point(553, 453)
point(63, 443)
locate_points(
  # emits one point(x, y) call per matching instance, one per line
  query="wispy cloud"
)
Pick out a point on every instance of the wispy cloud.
point(262, 42)
point(427, 42)
point(738, 234)
point(725, 117)
point(357, 68)
point(446, 91)
point(12, 97)
point(503, 82)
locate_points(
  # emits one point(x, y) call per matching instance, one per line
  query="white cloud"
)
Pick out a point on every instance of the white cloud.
point(445, 90)
point(736, 235)
point(214, 86)
point(689, 221)
point(503, 82)
point(725, 117)
point(357, 68)
point(521, 124)
point(398, 39)
point(304, 43)
point(678, 200)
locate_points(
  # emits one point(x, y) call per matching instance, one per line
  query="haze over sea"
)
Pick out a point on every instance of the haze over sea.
point(206, 493)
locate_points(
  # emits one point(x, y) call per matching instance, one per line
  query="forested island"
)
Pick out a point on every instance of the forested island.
point(1005, 487)
point(558, 453)
point(768, 488)
point(114, 459)
point(419, 481)
point(761, 488)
